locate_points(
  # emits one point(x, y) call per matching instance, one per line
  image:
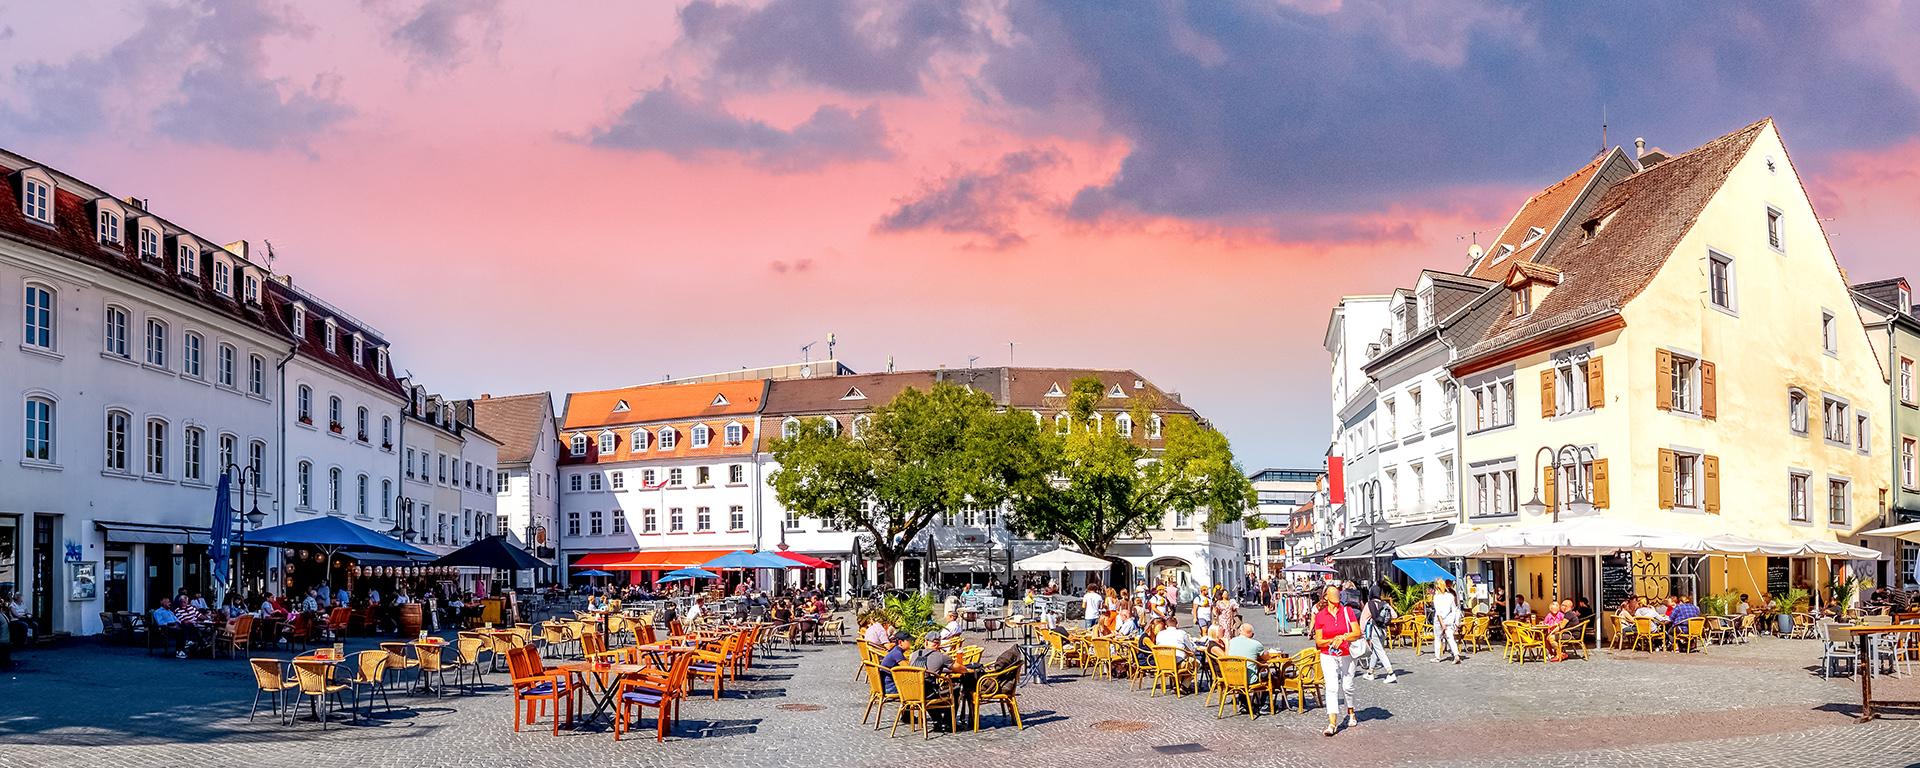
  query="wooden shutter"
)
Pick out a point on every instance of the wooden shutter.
point(1666, 479)
point(1596, 385)
point(1600, 483)
point(1708, 387)
point(1547, 410)
point(1712, 474)
point(1546, 476)
point(1663, 379)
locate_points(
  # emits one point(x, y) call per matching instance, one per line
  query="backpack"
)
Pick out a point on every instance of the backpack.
point(1383, 613)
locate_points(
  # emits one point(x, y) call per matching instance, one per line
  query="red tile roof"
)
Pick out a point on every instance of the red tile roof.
point(516, 421)
point(661, 402)
point(1543, 211)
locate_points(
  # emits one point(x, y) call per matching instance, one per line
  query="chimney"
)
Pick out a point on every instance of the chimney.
point(1639, 148)
point(486, 395)
point(136, 202)
point(239, 248)
point(1174, 396)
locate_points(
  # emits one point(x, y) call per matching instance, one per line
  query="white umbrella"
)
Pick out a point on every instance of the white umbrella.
point(1840, 550)
point(1907, 532)
point(1591, 536)
point(1732, 544)
point(1062, 560)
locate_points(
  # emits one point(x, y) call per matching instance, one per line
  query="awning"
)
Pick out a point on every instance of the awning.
point(1382, 542)
point(808, 561)
point(657, 560)
point(1335, 548)
point(384, 561)
point(149, 533)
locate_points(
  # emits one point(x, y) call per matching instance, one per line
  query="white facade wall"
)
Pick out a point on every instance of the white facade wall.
point(1418, 450)
point(315, 452)
point(623, 512)
point(527, 497)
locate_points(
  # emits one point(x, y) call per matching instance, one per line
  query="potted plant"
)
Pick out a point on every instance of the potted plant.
point(306, 420)
point(1789, 602)
point(335, 427)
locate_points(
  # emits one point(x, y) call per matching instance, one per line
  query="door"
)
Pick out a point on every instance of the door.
point(116, 582)
point(44, 545)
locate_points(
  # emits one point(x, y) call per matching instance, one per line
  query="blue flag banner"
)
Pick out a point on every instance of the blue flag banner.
point(221, 530)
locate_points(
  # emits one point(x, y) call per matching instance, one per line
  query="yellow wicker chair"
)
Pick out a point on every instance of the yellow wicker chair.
point(1302, 674)
point(1691, 636)
point(1238, 678)
point(1170, 672)
point(877, 696)
point(370, 674)
point(1645, 633)
point(915, 697)
point(1062, 653)
point(315, 680)
point(270, 678)
point(1476, 633)
point(998, 688)
point(1573, 638)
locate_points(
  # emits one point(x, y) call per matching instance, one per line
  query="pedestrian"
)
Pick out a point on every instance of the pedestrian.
point(1376, 621)
point(1335, 627)
point(1446, 619)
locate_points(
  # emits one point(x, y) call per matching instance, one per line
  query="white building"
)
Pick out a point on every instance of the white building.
point(141, 358)
point(1355, 334)
point(447, 493)
point(1280, 494)
point(526, 490)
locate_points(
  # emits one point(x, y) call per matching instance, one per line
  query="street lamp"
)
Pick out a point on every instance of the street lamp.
point(1578, 503)
point(252, 517)
point(403, 528)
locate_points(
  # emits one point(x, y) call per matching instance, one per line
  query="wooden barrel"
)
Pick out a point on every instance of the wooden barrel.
point(410, 620)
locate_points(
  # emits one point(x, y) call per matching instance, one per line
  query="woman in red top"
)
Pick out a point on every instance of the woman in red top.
point(1335, 627)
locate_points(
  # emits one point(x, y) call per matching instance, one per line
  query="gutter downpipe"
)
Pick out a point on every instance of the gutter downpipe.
point(1459, 443)
point(280, 481)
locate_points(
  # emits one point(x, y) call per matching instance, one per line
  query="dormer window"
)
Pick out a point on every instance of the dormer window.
point(300, 321)
point(621, 407)
point(719, 400)
point(1054, 391)
point(253, 289)
point(333, 332)
point(1425, 301)
point(702, 434)
point(36, 200)
point(668, 438)
point(1533, 233)
point(109, 227)
point(737, 433)
point(1906, 300)
point(184, 253)
point(222, 278)
point(1116, 391)
point(380, 360)
point(1522, 301)
point(1500, 254)
point(854, 393)
point(359, 349)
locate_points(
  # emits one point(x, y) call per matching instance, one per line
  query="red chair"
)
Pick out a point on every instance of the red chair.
point(338, 621)
point(663, 692)
point(534, 687)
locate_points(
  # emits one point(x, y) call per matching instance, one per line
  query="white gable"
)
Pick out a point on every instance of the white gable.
point(854, 393)
point(719, 400)
point(1116, 391)
point(1054, 391)
point(620, 407)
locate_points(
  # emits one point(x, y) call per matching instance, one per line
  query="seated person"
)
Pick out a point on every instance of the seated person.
point(900, 641)
point(1744, 607)
point(1522, 611)
point(1244, 646)
point(167, 623)
point(1570, 614)
point(1682, 612)
point(953, 627)
point(1176, 637)
point(936, 662)
point(1124, 624)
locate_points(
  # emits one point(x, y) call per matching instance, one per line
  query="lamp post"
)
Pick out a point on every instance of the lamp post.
point(246, 515)
point(1577, 501)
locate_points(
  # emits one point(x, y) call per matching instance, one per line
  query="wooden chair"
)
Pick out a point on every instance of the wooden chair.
point(1169, 671)
point(235, 637)
point(315, 681)
point(997, 687)
point(299, 632)
point(911, 682)
point(370, 674)
point(338, 622)
point(1302, 674)
point(663, 692)
point(270, 679)
point(1239, 679)
point(714, 661)
point(1645, 633)
point(534, 688)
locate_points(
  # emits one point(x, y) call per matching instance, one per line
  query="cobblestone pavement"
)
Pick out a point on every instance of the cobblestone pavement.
point(1748, 705)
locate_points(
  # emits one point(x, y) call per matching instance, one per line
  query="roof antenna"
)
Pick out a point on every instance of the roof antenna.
point(971, 359)
point(1603, 128)
point(1009, 354)
point(806, 352)
point(269, 253)
point(830, 343)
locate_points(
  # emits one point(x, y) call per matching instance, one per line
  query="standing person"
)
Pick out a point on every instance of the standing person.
point(1446, 619)
point(1093, 601)
point(1203, 610)
point(1376, 620)
point(1335, 627)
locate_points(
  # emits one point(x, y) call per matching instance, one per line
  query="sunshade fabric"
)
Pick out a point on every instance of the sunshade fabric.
point(656, 560)
point(807, 561)
point(1422, 569)
point(741, 559)
point(1384, 541)
point(491, 552)
point(1062, 560)
point(334, 534)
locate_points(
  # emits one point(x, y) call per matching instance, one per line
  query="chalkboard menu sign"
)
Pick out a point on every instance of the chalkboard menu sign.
point(1777, 580)
point(1616, 581)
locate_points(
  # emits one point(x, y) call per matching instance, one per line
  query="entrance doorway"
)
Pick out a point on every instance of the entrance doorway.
point(116, 582)
point(44, 542)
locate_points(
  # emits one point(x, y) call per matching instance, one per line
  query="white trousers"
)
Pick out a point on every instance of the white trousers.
point(1376, 652)
point(1445, 631)
point(1338, 672)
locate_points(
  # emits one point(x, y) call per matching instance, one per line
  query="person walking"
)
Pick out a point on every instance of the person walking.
point(1446, 619)
point(1376, 621)
point(1335, 627)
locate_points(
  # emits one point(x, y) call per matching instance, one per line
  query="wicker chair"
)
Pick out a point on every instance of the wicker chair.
point(1240, 679)
point(315, 682)
point(370, 674)
point(432, 667)
point(1301, 675)
point(877, 695)
point(911, 683)
point(998, 687)
point(1170, 672)
point(466, 660)
point(1691, 636)
point(270, 679)
point(1061, 652)
point(1645, 633)
point(398, 660)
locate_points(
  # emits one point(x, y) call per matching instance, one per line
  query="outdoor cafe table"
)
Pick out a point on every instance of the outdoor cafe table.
point(1864, 635)
point(605, 677)
point(494, 633)
point(426, 683)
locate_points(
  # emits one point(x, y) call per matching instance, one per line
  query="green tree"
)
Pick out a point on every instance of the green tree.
point(1103, 485)
point(925, 454)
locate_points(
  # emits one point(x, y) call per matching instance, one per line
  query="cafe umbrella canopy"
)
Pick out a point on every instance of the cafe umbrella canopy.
point(332, 536)
point(491, 552)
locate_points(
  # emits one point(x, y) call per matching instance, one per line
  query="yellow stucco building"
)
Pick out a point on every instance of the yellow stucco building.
point(1691, 336)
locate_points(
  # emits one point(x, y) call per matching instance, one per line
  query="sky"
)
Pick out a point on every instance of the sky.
point(533, 196)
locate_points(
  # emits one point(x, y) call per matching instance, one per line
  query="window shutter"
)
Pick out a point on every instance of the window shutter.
point(1600, 483)
point(1663, 379)
point(1708, 408)
point(1596, 385)
point(1666, 479)
point(1547, 410)
point(1712, 474)
point(1546, 475)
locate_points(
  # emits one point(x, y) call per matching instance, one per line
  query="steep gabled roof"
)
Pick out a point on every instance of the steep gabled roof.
point(661, 402)
point(1645, 216)
point(1543, 211)
point(516, 421)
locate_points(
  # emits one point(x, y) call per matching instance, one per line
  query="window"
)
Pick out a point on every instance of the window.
point(304, 484)
point(1829, 333)
point(573, 523)
point(736, 518)
point(674, 477)
point(193, 442)
point(359, 349)
point(594, 523)
point(386, 500)
point(1062, 423)
point(1909, 471)
point(790, 428)
point(1153, 426)
point(156, 448)
point(257, 376)
point(1686, 473)
point(646, 479)
point(1774, 218)
point(183, 256)
point(253, 289)
point(1494, 491)
point(1907, 385)
point(702, 475)
point(1797, 411)
point(700, 435)
point(1391, 415)
point(1839, 501)
point(1680, 372)
point(222, 278)
point(1863, 432)
point(226, 364)
point(1493, 404)
point(668, 438)
point(1720, 280)
point(990, 516)
point(333, 413)
point(333, 489)
point(577, 445)
point(574, 483)
point(861, 424)
point(649, 521)
point(360, 494)
point(1413, 409)
point(332, 339)
point(676, 520)
point(229, 451)
point(37, 327)
point(257, 459)
point(1425, 300)
point(190, 345)
point(303, 403)
point(501, 480)
point(360, 423)
point(1834, 418)
point(109, 227)
point(410, 463)
point(1124, 425)
point(116, 332)
point(606, 443)
point(638, 441)
point(1797, 498)
point(1522, 301)
point(831, 425)
point(1446, 474)
point(736, 434)
point(34, 201)
point(156, 343)
point(792, 522)
point(116, 434)
point(736, 473)
point(380, 361)
point(702, 519)
point(593, 482)
point(1570, 385)
point(619, 521)
point(617, 480)
point(386, 432)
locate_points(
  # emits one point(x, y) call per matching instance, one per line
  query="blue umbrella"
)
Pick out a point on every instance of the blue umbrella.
point(596, 573)
point(692, 573)
point(675, 577)
point(332, 536)
point(1421, 569)
point(741, 559)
